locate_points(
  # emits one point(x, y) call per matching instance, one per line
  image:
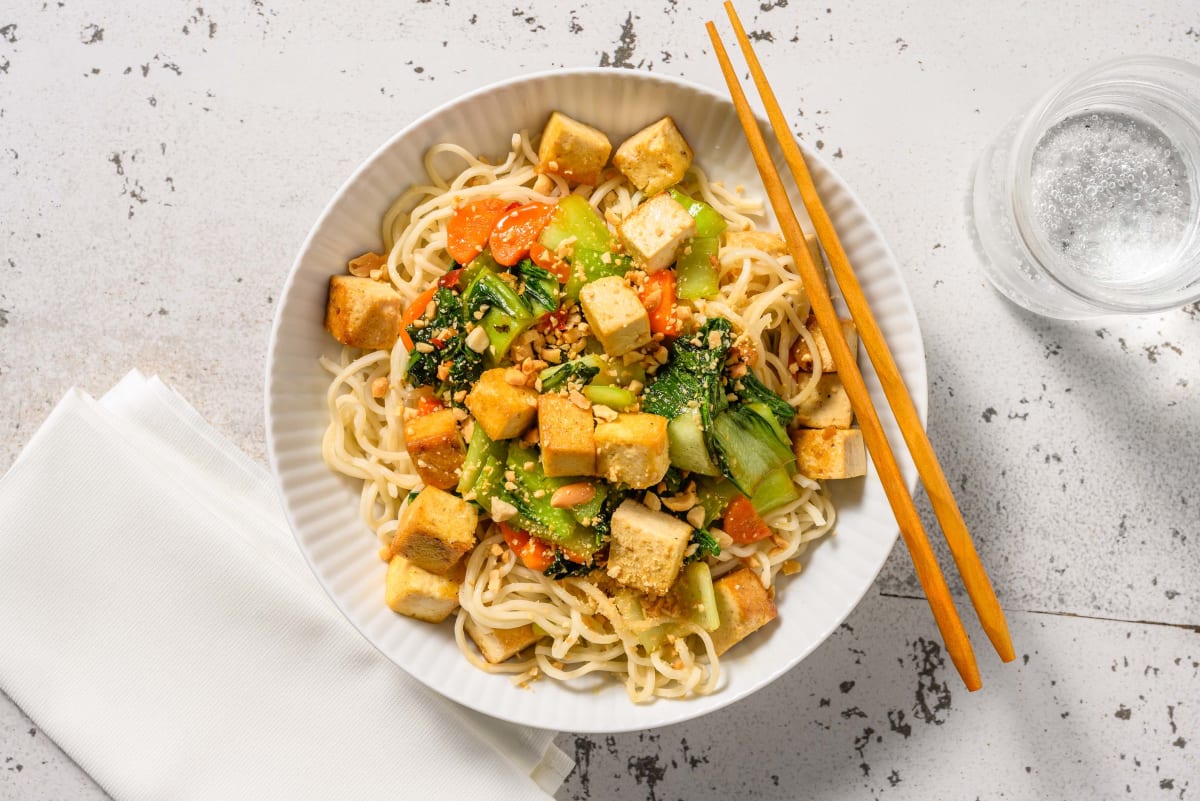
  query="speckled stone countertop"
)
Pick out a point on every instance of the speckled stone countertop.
point(160, 164)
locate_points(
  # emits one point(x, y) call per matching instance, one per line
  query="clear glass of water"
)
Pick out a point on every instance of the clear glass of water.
point(1089, 203)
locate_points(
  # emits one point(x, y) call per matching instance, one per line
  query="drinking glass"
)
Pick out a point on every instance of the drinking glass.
point(1088, 204)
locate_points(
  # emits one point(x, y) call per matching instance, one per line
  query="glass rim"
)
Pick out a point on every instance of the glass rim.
point(1021, 162)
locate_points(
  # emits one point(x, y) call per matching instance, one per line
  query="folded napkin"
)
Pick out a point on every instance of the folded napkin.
point(159, 623)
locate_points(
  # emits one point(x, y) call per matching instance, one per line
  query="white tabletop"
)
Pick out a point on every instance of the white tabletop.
point(160, 166)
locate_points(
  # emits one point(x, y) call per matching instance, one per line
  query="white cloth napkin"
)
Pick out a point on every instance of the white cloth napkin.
point(159, 623)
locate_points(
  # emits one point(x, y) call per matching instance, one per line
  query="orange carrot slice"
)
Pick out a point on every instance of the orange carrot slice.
point(658, 296)
point(743, 523)
point(535, 554)
point(413, 311)
point(517, 231)
point(548, 260)
point(468, 230)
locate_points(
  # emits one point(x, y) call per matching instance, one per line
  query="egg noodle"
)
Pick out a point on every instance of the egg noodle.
point(760, 294)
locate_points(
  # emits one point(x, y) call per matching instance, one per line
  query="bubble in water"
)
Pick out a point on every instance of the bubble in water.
point(1113, 193)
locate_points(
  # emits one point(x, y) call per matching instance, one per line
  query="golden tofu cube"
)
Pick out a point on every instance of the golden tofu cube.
point(743, 605)
point(615, 314)
point(504, 410)
point(804, 359)
point(416, 592)
point(499, 645)
point(632, 450)
point(363, 313)
point(830, 452)
point(654, 158)
point(576, 151)
point(654, 231)
point(647, 547)
point(828, 406)
point(436, 530)
point(436, 447)
point(566, 435)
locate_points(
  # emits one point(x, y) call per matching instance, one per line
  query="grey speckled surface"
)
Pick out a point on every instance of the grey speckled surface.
point(161, 163)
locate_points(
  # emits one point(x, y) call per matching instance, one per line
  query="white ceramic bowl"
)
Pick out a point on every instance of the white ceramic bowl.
point(323, 507)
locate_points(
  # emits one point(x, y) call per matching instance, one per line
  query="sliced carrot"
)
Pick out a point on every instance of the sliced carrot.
point(658, 296)
point(548, 260)
point(413, 311)
point(428, 404)
point(535, 554)
point(744, 524)
point(517, 231)
point(468, 230)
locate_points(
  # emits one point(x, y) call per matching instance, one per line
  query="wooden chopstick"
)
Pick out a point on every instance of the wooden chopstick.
point(941, 497)
point(928, 572)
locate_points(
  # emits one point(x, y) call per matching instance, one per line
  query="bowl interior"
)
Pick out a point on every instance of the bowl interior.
point(323, 508)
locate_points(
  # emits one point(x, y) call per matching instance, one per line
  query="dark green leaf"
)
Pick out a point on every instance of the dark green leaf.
point(706, 543)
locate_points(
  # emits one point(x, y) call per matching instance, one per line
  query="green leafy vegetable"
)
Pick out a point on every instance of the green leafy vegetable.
point(690, 383)
point(693, 373)
point(562, 567)
point(589, 265)
point(575, 217)
point(686, 445)
point(750, 390)
point(581, 370)
point(612, 397)
point(696, 269)
point(697, 596)
point(672, 480)
point(586, 513)
point(478, 452)
point(774, 490)
point(507, 312)
point(748, 447)
point(602, 522)
point(714, 495)
point(446, 334)
point(706, 545)
point(491, 290)
point(709, 223)
point(541, 288)
point(534, 512)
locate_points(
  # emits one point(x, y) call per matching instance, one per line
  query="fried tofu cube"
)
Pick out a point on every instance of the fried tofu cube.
point(500, 645)
point(436, 530)
point(743, 605)
point(654, 158)
point(415, 592)
point(654, 232)
point(363, 313)
point(615, 314)
point(646, 550)
point(566, 435)
point(632, 450)
point(504, 409)
point(804, 359)
point(830, 452)
point(828, 406)
point(436, 447)
point(576, 151)
point(772, 244)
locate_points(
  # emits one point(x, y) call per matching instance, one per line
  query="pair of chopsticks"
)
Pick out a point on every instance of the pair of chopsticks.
point(975, 579)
